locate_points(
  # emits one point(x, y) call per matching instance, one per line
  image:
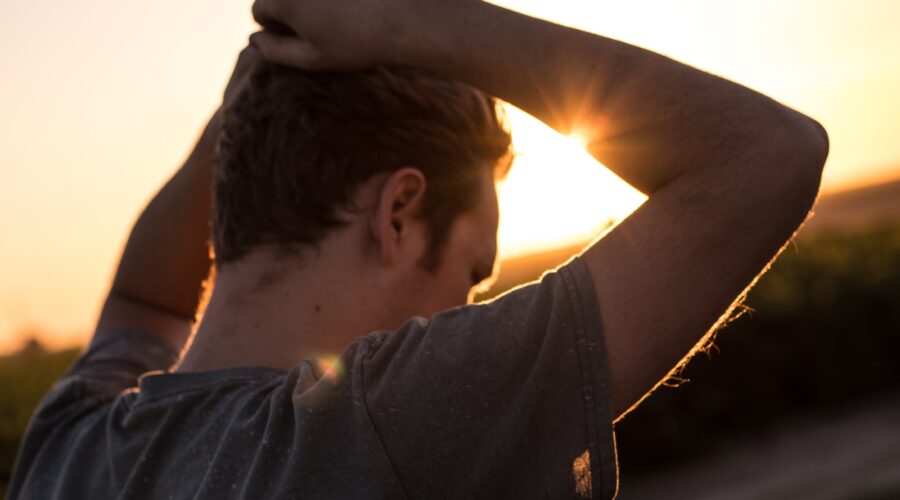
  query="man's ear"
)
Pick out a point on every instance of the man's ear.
point(394, 222)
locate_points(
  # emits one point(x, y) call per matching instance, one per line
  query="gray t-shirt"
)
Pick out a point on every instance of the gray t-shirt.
point(508, 399)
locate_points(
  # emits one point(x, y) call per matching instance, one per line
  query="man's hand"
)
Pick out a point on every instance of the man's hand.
point(334, 34)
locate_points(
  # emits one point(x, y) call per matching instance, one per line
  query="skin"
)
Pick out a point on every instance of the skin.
point(730, 176)
point(310, 311)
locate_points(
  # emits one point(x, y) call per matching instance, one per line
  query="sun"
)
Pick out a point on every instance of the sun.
point(556, 193)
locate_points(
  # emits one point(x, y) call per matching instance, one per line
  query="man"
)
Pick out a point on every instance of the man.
point(514, 398)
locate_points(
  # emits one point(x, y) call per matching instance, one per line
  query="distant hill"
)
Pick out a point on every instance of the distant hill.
point(854, 209)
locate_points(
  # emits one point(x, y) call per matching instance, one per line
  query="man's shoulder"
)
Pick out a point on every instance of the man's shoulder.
point(191, 431)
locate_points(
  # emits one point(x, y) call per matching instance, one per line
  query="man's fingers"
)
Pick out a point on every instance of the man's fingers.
point(286, 50)
point(265, 12)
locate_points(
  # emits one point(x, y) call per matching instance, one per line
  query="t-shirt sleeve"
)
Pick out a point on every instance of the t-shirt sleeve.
point(508, 399)
point(110, 365)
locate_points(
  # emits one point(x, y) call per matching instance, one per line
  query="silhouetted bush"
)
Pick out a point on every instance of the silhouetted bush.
point(24, 377)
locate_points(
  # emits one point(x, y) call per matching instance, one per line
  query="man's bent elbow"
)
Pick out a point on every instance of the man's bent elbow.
point(816, 147)
point(804, 144)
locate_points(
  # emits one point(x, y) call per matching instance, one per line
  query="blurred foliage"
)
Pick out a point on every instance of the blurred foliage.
point(25, 377)
point(824, 332)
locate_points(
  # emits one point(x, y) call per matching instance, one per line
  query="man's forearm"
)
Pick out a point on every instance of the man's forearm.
point(158, 285)
point(167, 258)
point(647, 117)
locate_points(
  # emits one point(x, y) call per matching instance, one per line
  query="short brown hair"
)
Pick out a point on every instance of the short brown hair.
point(296, 145)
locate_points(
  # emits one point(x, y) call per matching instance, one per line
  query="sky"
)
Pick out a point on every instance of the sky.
point(101, 100)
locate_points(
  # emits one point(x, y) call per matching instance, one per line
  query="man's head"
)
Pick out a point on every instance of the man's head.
point(299, 150)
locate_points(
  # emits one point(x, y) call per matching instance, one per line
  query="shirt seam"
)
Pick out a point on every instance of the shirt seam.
point(362, 375)
point(147, 398)
point(587, 373)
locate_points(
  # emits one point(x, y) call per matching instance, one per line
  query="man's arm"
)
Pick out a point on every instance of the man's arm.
point(158, 284)
point(731, 173)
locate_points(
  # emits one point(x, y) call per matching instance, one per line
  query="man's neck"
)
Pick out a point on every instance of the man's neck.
point(268, 312)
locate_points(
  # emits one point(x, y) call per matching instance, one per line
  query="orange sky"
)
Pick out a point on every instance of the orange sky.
point(102, 100)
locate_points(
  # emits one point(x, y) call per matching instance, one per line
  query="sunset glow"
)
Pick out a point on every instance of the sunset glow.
point(103, 100)
point(556, 193)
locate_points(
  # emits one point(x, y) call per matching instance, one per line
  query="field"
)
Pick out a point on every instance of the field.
point(823, 337)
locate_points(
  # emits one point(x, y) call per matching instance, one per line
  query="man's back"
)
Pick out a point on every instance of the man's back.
point(480, 401)
point(243, 432)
